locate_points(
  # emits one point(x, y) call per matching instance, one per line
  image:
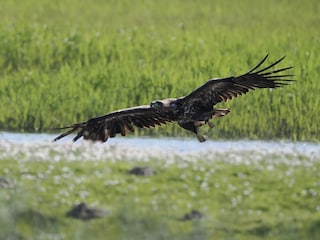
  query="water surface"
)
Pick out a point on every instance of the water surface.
point(40, 147)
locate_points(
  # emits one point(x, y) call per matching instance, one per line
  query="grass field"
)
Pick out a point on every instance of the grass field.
point(67, 61)
point(243, 195)
point(62, 62)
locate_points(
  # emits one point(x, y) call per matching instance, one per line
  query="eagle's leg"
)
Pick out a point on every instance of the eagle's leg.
point(215, 114)
point(193, 127)
point(199, 123)
point(206, 121)
point(211, 124)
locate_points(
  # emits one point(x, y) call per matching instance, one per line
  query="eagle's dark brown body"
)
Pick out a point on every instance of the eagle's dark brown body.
point(191, 111)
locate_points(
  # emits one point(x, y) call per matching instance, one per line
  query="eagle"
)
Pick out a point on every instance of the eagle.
point(190, 112)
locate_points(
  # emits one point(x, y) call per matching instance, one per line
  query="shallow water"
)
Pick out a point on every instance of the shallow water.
point(40, 147)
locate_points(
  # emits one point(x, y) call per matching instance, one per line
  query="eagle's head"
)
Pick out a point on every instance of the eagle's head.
point(157, 105)
point(162, 105)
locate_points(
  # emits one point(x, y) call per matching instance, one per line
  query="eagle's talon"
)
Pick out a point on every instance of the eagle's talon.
point(202, 138)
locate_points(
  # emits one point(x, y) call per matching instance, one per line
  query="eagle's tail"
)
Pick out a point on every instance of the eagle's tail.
point(220, 112)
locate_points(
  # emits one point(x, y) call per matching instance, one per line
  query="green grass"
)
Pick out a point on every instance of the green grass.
point(240, 201)
point(63, 62)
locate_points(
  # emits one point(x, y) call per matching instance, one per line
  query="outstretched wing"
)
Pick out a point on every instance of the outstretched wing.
point(121, 121)
point(223, 89)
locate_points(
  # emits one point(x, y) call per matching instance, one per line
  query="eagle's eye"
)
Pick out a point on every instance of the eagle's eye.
point(156, 105)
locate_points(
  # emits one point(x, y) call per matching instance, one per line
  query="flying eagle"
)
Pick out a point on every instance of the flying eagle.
point(191, 111)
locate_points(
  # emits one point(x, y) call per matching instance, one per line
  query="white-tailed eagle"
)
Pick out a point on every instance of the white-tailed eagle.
point(191, 111)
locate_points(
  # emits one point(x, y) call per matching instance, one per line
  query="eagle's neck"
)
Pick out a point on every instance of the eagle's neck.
point(176, 108)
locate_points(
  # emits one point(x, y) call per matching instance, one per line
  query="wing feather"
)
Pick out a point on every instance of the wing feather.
point(122, 128)
point(224, 89)
point(129, 126)
point(109, 125)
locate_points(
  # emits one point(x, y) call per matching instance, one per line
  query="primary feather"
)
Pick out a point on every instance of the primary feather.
point(223, 89)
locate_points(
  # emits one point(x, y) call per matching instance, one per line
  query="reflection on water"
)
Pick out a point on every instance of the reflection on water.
point(40, 146)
